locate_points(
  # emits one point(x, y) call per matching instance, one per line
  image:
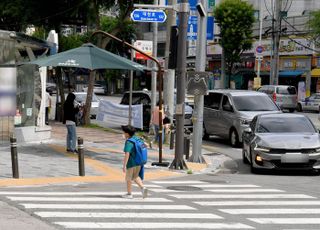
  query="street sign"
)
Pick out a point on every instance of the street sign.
point(193, 28)
point(147, 15)
point(259, 49)
point(197, 83)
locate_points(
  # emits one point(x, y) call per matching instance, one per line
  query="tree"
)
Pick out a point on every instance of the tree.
point(314, 23)
point(235, 19)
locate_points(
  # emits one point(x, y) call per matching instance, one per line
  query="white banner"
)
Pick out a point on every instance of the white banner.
point(114, 113)
point(8, 95)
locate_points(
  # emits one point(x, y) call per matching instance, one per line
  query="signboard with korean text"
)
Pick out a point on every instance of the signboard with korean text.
point(147, 15)
point(193, 28)
point(145, 46)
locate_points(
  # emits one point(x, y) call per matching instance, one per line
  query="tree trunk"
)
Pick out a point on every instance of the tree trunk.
point(87, 107)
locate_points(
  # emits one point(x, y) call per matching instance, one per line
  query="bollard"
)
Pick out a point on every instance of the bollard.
point(81, 157)
point(14, 157)
point(171, 138)
point(187, 144)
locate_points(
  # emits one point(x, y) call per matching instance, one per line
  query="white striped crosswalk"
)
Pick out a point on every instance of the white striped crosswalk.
point(176, 209)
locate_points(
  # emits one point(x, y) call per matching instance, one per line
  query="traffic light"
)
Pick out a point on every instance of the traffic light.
point(173, 47)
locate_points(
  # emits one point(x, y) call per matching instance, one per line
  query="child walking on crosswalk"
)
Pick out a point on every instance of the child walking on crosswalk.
point(130, 166)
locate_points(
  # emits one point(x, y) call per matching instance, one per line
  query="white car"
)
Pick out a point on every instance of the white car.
point(81, 99)
point(97, 89)
point(310, 103)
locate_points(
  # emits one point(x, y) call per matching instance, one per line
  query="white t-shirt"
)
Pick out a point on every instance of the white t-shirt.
point(48, 100)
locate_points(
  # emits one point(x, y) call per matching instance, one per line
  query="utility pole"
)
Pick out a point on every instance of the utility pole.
point(130, 88)
point(154, 54)
point(200, 67)
point(260, 42)
point(178, 162)
point(169, 76)
point(276, 40)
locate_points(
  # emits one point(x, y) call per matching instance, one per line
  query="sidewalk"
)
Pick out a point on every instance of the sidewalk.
point(48, 163)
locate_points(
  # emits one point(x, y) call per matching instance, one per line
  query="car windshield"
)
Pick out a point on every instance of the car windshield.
point(285, 125)
point(137, 98)
point(82, 97)
point(254, 103)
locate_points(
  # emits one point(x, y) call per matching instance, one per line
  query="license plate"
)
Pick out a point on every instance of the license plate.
point(294, 158)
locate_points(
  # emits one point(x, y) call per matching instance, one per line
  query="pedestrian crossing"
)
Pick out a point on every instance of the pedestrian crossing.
point(210, 206)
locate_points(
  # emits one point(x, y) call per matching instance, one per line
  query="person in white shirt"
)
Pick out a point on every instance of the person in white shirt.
point(48, 107)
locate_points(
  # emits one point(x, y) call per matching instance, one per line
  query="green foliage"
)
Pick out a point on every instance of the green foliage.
point(315, 22)
point(71, 41)
point(235, 18)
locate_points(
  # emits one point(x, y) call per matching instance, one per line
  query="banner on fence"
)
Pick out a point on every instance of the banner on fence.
point(114, 113)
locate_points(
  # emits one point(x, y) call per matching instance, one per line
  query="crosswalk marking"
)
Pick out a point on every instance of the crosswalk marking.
point(242, 196)
point(180, 182)
point(107, 206)
point(67, 193)
point(157, 215)
point(88, 199)
point(153, 225)
point(227, 186)
point(263, 211)
point(162, 190)
point(286, 220)
point(257, 203)
point(244, 190)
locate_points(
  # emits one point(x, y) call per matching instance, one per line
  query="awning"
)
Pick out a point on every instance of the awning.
point(315, 72)
point(286, 73)
point(292, 73)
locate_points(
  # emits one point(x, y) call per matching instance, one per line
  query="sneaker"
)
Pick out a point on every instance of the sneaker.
point(144, 192)
point(127, 196)
point(69, 150)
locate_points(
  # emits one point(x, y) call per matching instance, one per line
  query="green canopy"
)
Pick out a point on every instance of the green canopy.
point(90, 57)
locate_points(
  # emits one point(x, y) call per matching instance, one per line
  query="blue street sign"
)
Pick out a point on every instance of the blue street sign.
point(143, 15)
point(193, 28)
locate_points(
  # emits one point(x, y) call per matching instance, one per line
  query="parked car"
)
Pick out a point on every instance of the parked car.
point(144, 97)
point(97, 89)
point(228, 112)
point(281, 141)
point(81, 99)
point(310, 103)
point(285, 96)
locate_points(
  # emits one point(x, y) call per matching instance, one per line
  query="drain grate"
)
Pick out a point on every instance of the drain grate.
point(184, 188)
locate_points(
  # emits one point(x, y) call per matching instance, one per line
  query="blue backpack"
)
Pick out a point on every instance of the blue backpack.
point(141, 150)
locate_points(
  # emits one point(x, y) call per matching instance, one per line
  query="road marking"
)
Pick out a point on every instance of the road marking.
point(166, 190)
point(67, 193)
point(271, 211)
point(242, 196)
point(180, 182)
point(244, 190)
point(152, 225)
point(257, 203)
point(227, 186)
point(286, 220)
point(88, 199)
point(128, 215)
point(107, 206)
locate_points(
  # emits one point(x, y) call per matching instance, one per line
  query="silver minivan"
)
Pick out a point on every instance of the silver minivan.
point(285, 96)
point(228, 112)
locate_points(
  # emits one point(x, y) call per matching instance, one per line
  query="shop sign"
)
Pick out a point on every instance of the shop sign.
point(145, 46)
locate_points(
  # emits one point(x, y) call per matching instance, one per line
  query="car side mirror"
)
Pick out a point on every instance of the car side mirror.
point(227, 108)
point(247, 131)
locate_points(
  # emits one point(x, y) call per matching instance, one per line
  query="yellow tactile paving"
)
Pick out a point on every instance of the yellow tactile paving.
point(111, 174)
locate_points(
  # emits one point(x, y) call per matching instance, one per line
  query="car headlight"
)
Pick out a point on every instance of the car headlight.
point(261, 149)
point(244, 121)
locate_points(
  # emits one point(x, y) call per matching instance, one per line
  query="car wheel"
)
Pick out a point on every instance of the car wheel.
point(205, 135)
point(291, 110)
point(234, 138)
point(244, 158)
point(299, 108)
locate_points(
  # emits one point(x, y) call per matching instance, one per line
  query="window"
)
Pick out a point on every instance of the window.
point(212, 101)
point(254, 103)
point(286, 90)
point(226, 105)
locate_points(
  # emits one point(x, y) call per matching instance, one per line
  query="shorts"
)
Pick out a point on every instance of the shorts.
point(132, 173)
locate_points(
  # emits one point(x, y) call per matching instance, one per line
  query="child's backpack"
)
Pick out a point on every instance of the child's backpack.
point(141, 150)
